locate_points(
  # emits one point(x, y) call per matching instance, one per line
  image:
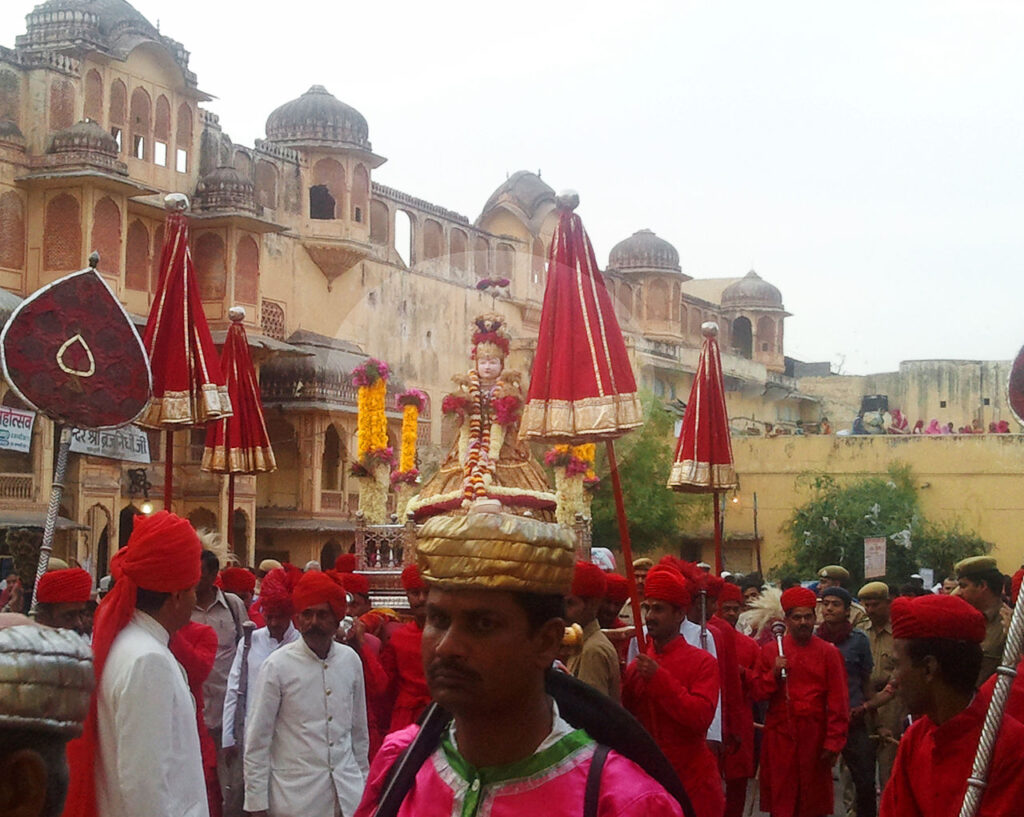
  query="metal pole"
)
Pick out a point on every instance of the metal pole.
point(168, 468)
point(1006, 672)
point(56, 494)
point(718, 535)
point(627, 546)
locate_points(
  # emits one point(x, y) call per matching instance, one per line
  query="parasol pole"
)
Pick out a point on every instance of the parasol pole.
point(231, 512)
point(1006, 672)
point(757, 539)
point(718, 533)
point(627, 547)
point(168, 468)
point(56, 494)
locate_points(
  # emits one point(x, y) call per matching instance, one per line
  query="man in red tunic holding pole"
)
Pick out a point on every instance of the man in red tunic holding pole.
point(672, 689)
point(808, 714)
point(402, 657)
point(938, 656)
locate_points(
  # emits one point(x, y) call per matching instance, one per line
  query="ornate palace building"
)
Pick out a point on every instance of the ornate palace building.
point(100, 117)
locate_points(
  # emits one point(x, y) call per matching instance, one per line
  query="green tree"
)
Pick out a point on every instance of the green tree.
point(656, 514)
point(831, 527)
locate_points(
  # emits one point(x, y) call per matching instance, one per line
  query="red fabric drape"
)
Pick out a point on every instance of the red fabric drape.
point(188, 388)
point(703, 460)
point(239, 444)
point(581, 386)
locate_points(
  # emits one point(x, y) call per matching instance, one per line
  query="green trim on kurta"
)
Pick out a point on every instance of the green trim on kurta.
point(522, 769)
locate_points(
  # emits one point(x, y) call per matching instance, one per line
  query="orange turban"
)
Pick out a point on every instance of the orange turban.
point(798, 597)
point(69, 586)
point(617, 588)
point(237, 580)
point(276, 593)
point(588, 581)
point(162, 555)
point(345, 563)
point(666, 584)
point(316, 588)
point(937, 616)
point(411, 579)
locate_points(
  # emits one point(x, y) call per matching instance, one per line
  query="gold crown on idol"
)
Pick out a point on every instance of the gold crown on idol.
point(496, 551)
point(490, 339)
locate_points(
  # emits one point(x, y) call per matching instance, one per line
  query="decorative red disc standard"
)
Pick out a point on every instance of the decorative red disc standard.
point(71, 352)
point(1015, 387)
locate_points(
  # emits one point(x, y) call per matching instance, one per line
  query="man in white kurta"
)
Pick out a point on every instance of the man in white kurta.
point(306, 741)
point(144, 702)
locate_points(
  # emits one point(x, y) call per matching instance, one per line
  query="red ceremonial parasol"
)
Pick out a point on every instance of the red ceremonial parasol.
point(238, 444)
point(703, 461)
point(188, 388)
point(582, 387)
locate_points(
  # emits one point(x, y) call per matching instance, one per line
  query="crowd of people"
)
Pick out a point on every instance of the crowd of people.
point(517, 681)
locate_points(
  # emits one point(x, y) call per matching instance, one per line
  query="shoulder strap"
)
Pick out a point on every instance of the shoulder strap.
point(229, 599)
point(593, 789)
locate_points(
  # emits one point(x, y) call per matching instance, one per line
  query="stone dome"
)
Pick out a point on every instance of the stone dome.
point(85, 136)
point(225, 189)
point(523, 191)
point(318, 118)
point(751, 292)
point(644, 251)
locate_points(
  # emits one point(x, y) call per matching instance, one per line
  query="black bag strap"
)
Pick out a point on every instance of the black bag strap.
point(593, 789)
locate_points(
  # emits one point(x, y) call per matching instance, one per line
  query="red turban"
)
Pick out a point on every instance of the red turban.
point(666, 584)
point(588, 581)
point(730, 592)
point(237, 580)
point(617, 588)
point(937, 616)
point(162, 555)
point(798, 597)
point(346, 563)
point(276, 593)
point(69, 586)
point(411, 579)
point(316, 588)
point(356, 583)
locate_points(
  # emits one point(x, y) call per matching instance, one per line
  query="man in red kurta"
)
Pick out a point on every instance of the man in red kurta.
point(672, 689)
point(402, 657)
point(738, 756)
point(938, 656)
point(808, 714)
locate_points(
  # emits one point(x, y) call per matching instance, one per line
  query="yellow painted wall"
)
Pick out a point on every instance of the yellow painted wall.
point(976, 478)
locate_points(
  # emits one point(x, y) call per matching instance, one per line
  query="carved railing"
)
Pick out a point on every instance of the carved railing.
point(17, 486)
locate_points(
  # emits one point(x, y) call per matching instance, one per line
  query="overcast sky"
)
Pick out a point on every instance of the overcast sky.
point(866, 158)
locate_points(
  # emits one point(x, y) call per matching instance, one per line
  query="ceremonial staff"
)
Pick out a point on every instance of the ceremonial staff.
point(243, 683)
point(71, 352)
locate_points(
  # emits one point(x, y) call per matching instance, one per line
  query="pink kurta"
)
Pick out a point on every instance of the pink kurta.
point(551, 782)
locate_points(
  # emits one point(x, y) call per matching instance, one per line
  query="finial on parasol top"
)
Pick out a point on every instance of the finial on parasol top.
point(176, 201)
point(94, 259)
point(567, 200)
point(237, 314)
point(709, 329)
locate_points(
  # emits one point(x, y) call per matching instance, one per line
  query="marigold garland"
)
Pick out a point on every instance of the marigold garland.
point(412, 403)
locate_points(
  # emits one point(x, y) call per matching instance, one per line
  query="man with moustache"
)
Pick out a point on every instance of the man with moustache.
point(493, 628)
point(62, 597)
point(808, 713)
point(407, 694)
point(306, 739)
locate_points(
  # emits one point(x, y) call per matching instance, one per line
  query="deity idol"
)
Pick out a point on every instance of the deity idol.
point(488, 461)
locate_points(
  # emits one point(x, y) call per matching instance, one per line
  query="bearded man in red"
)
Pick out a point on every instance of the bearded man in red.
point(937, 645)
point(402, 657)
point(672, 689)
point(808, 714)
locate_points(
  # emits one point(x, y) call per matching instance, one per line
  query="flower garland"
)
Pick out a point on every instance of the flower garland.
point(574, 474)
point(372, 422)
point(411, 402)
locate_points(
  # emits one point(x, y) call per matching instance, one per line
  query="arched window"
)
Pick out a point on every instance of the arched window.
point(62, 104)
point(93, 108)
point(625, 298)
point(203, 519)
point(696, 319)
point(481, 257)
point(742, 338)
point(266, 184)
point(183, 138)
point(158, 250)
point(333, 461)
point(247, 271)
point(506, 261)
point(327, 191)
point(433, 239)
point(360, 194)
point(379, 217)
point(280, 488)
point(137, 261)
point(211, 266)
point(141, 123)
point(118, 111)
point(766, 335)
point(657, 300)
point(161, 131)
point(62, 236)
point(459, 250)
point(404, 236)
point(12, 231)
point(106, 235)
point(683, 326)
